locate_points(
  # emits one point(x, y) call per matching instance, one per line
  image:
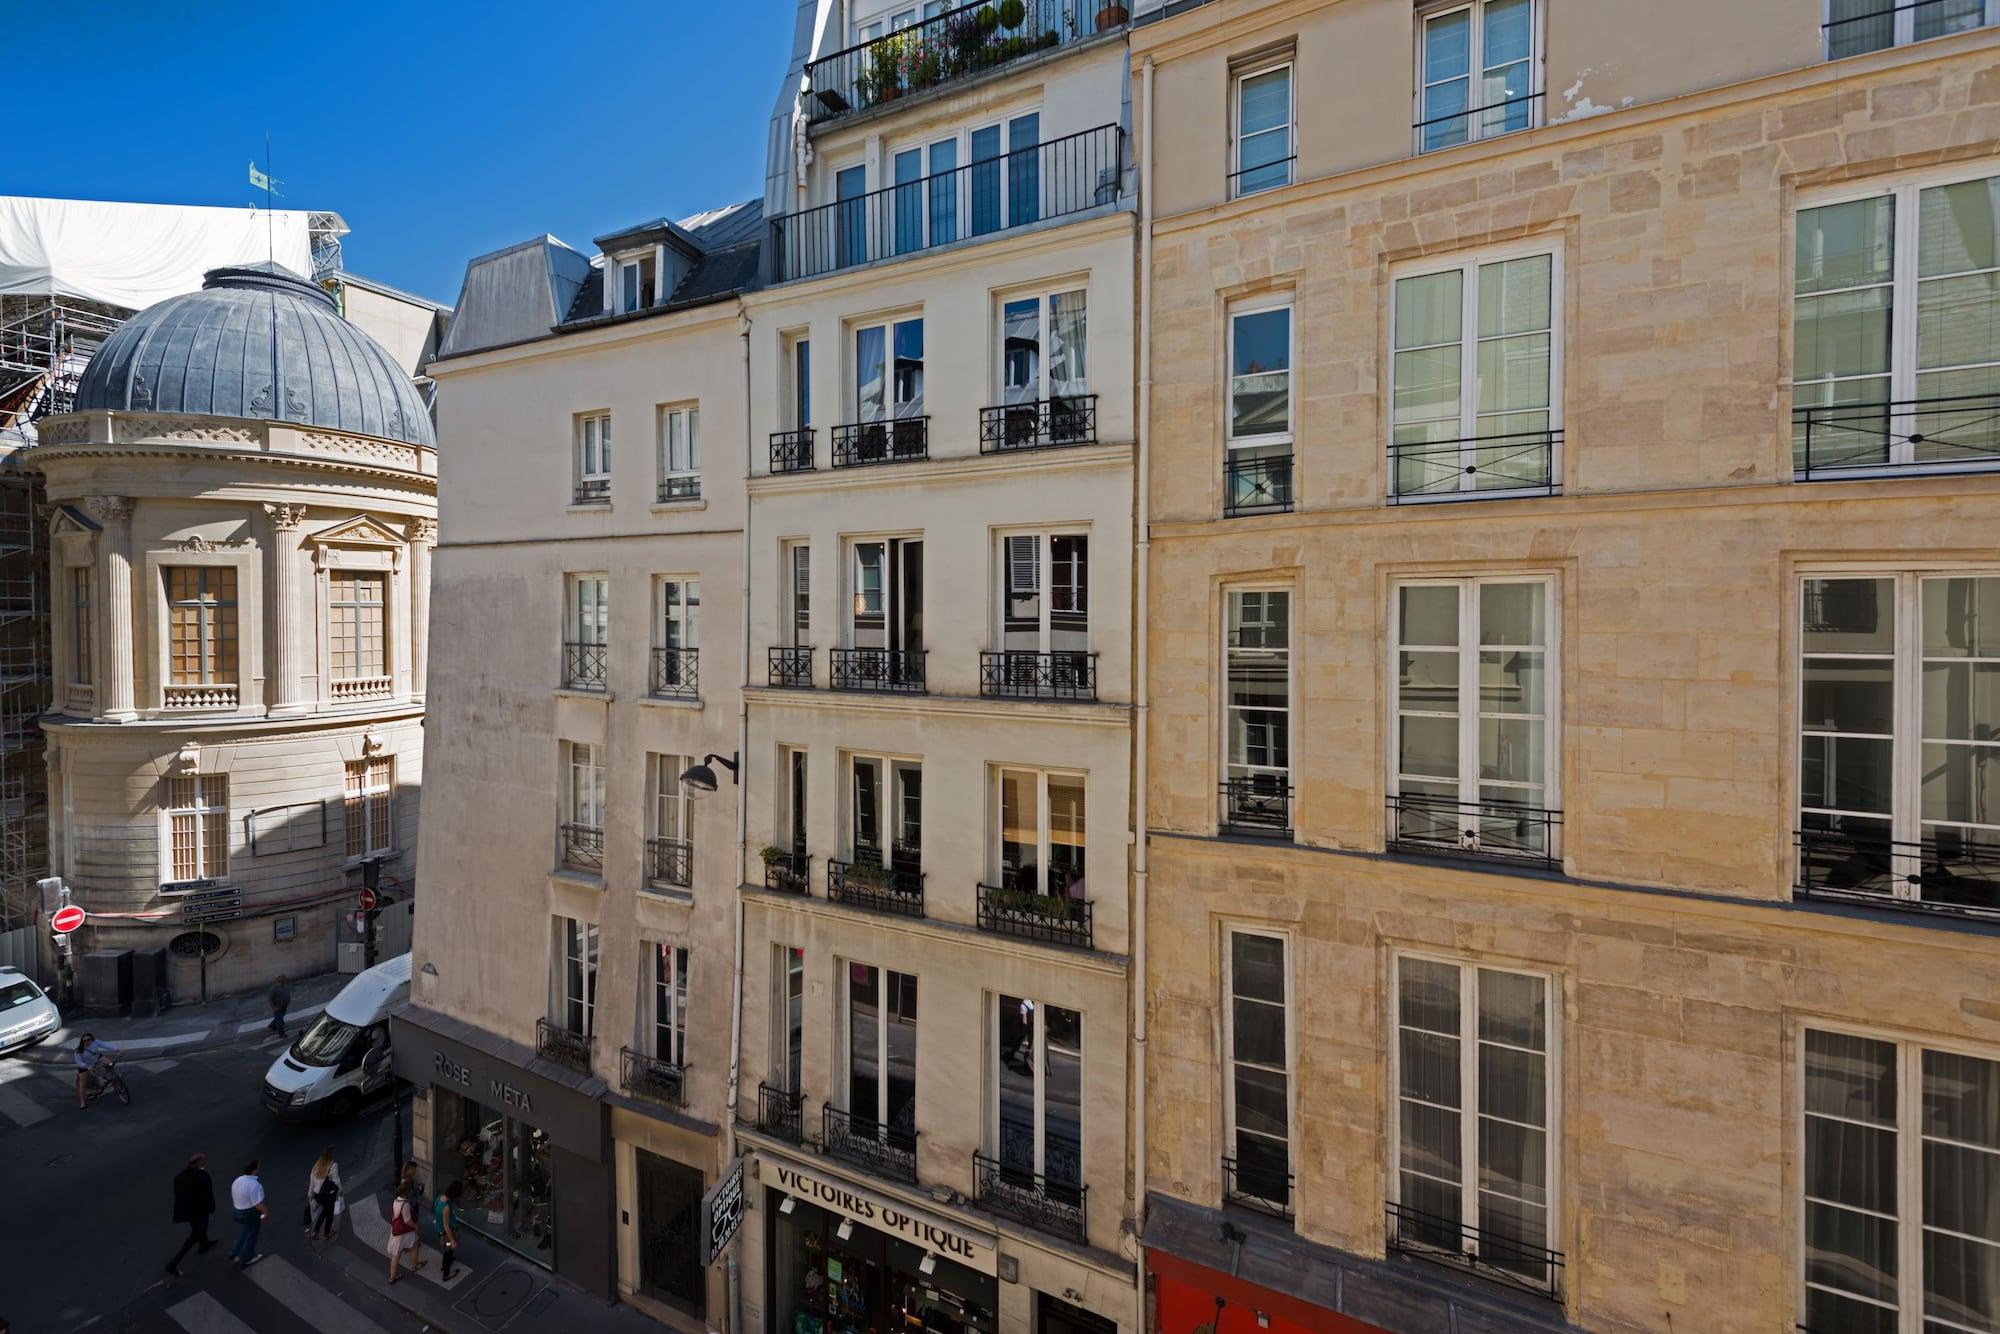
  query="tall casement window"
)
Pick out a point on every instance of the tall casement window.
point(1478, 71)
point(587, 632)
point(669, 976)
point(1474, 751)
point(575, 990)
point(798, 594)
point(677, 623)
point(198, 825)
point(1899, 745)
point(888, 395)
point(1857, 26)
point(82, 653)
point(669, 845)
point(1902, 1168)
point(1044, 633)
point(680, 453)
point(370, 806)
point(201, 621)
point(881, 1070)
point(357, 608)
point(801, 360)
point(1896, 300)
point(1038, 1084)
point(1474, 410)
point(788, 1001)
point(593, 459)
point(1257, 455)
point(1041, 824)
point(1257, 1071)
point(885, 621)
point(583, 806)
point(635, 284)
point(1044, 376)
point(1475, 1084)
point(886, 812)
point(1257, 707)
point(1264, 149)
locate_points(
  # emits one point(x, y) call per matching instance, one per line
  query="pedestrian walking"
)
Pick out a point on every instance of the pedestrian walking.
point(408, 1181)
point(281, 1001)
point(446, 1210)
point(246, 1197)
point(322, 1197)
point(402, 1231)
point(194, 1202)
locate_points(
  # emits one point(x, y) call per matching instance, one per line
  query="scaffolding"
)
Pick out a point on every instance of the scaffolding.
point(45, 343)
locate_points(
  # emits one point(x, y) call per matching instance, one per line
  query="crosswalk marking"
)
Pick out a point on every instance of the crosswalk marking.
point(308, 1300)
point(291, 1017)
point(19, 1108)
point(202, 1314)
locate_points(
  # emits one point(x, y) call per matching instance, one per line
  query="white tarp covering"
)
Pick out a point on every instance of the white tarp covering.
point(133, 255)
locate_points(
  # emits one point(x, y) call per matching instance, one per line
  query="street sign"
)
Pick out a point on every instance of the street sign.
point(722, 1212)
point(66, 919)
point(212, 905)
point(367, 900)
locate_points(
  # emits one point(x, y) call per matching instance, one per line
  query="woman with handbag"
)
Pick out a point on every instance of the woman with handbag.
point(322, 1198)
point(402, 1230)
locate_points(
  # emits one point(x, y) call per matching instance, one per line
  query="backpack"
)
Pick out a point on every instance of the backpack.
point(400, 1222)
point(328, 1191)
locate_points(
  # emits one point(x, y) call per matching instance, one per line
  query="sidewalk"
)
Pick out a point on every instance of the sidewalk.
point(191, 1027)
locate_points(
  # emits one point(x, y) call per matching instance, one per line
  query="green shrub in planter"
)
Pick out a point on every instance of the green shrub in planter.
point(1011, 13)
point(989, 19)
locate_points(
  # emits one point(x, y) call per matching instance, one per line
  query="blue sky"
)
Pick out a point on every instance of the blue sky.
point(438, 131)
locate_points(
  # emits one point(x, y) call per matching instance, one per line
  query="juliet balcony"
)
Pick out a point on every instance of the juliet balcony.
point(866, 883)
point(887, 1151)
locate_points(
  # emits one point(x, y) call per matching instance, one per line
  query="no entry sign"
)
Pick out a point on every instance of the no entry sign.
point(66, 919)
point(366, 899)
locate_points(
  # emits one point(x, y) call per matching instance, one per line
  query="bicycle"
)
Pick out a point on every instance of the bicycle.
point(104, 1078)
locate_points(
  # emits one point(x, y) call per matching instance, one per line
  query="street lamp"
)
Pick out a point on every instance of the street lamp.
point(700, 780)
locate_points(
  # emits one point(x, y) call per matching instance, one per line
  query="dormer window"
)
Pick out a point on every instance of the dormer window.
point(636, 281)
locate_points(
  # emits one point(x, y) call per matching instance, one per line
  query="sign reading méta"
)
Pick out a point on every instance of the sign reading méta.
point(722, 1211)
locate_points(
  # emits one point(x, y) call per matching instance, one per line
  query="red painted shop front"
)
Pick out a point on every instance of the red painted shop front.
point(1186, 1300)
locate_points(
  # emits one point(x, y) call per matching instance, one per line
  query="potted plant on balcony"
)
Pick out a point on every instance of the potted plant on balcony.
point(771, 855)
point(867, 875)
point(1012, 12)
point(886, 68)
point(988, 19)
point(1111, 16)
point(924, 67)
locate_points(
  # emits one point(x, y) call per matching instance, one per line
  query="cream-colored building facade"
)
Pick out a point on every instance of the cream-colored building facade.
point(1570, 870)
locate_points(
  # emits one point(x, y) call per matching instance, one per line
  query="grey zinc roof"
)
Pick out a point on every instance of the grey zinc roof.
point(259, 342)
point(514, 294)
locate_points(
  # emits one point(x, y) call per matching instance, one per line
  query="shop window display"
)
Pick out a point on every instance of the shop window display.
point(870, 1282)
point(504, 1164)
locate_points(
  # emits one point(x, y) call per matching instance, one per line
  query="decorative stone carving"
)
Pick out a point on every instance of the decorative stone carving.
point(186, 760)
point(285, 518)
point(200, 543)
point(112, 509)
point(424, 530)
point(362, 530)
point(371, 745)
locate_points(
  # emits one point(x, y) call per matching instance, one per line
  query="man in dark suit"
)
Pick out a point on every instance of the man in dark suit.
point(194, 1201)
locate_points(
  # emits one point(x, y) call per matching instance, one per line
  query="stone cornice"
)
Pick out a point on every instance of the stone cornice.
point(947, 471)
point(1055, 713)
point(220, 729)
point(115, 434)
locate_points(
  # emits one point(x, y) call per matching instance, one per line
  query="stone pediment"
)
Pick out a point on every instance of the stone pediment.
point(363, 530)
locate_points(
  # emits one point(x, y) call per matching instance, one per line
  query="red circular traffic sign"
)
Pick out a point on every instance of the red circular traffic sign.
point(367, 900)
point(66, 919)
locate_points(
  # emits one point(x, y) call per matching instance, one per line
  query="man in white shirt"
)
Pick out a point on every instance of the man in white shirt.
point(246, 1196)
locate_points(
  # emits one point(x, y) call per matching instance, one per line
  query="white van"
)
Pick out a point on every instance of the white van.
point(321, 1075)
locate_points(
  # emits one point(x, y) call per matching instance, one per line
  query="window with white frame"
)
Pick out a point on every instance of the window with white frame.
point(1479, 70)
point(1474, 751)
point(669, 849)
point(885, 811)
point(886, 578)
point(1257, 707)
point(357, 607)
point(575, 989)
point(1041, 833)
point(201, 624)
point(1044, 373)
point(677, 619)
point(82, 658)
point(1037, 1127)
point(792, 812)
point(881, 1049)
point(1896, 303)
point(1257, 1069)
point(1045, 595)
point(788, 1014)
point(636, 280)
point(1473, 1137)
point(593, 459)
point(370, 805)
point(798, 593)
point(888, 388)
point(583, 806)
point(1264, 152)
point(1899, 746)
point(680, 453)
point(1257, 460)
point(1901, 1169)
point(1857, 26)
point(586, 635)
point(1476, 378)
point(198, 825)
point(669, 975)
point(797, 355)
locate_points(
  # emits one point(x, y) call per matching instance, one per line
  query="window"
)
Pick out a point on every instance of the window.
point(676, 660)
point(886, 824)
point(789, 1010)
point(881, 1049)
point(680, 453)
point(1045, 594)
point(1025, 374)
point(1041, 833)
point(669, 847)
point(82, 664)
point(588, 631)
point(1475, 1089)
point(1004, 188)
point(356, 600)
point(1476, 372)
point(1264, 152)
point(371, 801)
point(1902, 1162)
point(1257, 467)
point(800, 360)
point(888, 589)
point(1475, 746)
point(1899, 732)
point(1256, 725)
point(850, 186)
point(1478, 71)
point(576, 979)
point(1896, 296)
point(583, 806)
point(635, 284)
point(1856, 26)
point(792, 818)
point(670, 1003)
point(798, 611)
point(201, 612)
point(1257, 1064)
point(1038, 1082)
point(593, 459)
point(198, 822)
point(889, 370)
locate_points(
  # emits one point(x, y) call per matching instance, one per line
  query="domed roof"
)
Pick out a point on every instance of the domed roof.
point(261, 342)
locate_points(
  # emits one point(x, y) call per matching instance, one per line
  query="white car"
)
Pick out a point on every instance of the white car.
point(27, 1015)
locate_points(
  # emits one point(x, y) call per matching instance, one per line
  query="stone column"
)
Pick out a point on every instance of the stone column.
point(423, 536)
point(115, 513)
point(282, 567)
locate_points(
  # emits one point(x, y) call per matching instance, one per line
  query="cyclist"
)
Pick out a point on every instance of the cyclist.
point(89, 1051)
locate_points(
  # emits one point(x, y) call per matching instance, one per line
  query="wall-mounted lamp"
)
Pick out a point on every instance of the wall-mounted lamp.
point(846, 1229)
point(928, 1265)
point(701, 780)
point(791, 1203)
point(430, 969)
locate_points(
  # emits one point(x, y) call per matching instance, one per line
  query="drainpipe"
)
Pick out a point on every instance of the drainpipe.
point(742, 753)
point(1142, 694)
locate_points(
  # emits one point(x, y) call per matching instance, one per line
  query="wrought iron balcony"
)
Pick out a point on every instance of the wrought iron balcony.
point(896, 670)
point(592, 491)
point(583, 666)
point(1018, 909)
point(1501, 831)
point(791, 667)
point(789, 873)
point(1063, 176)
point(1015, 674)
point(679, 488)
point(1261, 176)
point(887, 1151)
point(896, 440)
point(944, 49)
point(1489, 1252)
point(670, 861)
point(1458, 127)
point(1048, 423)
point(651, 1077)
point(1052, 1206)
point(1257, 1187)
point(583, 846)
point(897, 890)
point(1478, 468)
point(1917, 436)
point(1259, 806)
point(1952, 871)
point(676, 673)
point(792, 451)
point(1257, 485)
point(563, 1045)
point(780, 1112)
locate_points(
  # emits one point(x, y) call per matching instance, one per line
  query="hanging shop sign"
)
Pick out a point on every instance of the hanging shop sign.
point(974, 1250)
point(722, 1212)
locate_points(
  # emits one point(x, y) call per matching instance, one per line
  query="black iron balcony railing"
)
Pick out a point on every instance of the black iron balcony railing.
point(780, 1113)
point(679, 488)
point(670, 861)
point(1063, 176)
point(1854, 34)
point(945, 48)
point(1501, 831)
point(1020, 674)
point(791, 667)
point(1261, 176)
point(897, 440)
point(792, 451)
point(1457, 127)
point(1259, 806)
point(1489, 1252)
point(897, 670)
point(1017, 909)
point(898, 890)
point(789, 873)
point(1048, 423)
point(889, 1152)
point(1257, 485)
point(583, 846)
point(1052, 1206)
point(676, 673)
point(592, 491)
point(1520, 463)
point(583, 666)
point(563, 1045)
point(1951, 871)
point(1920, 435)
point(1258, 1187)
point(651, 1077)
